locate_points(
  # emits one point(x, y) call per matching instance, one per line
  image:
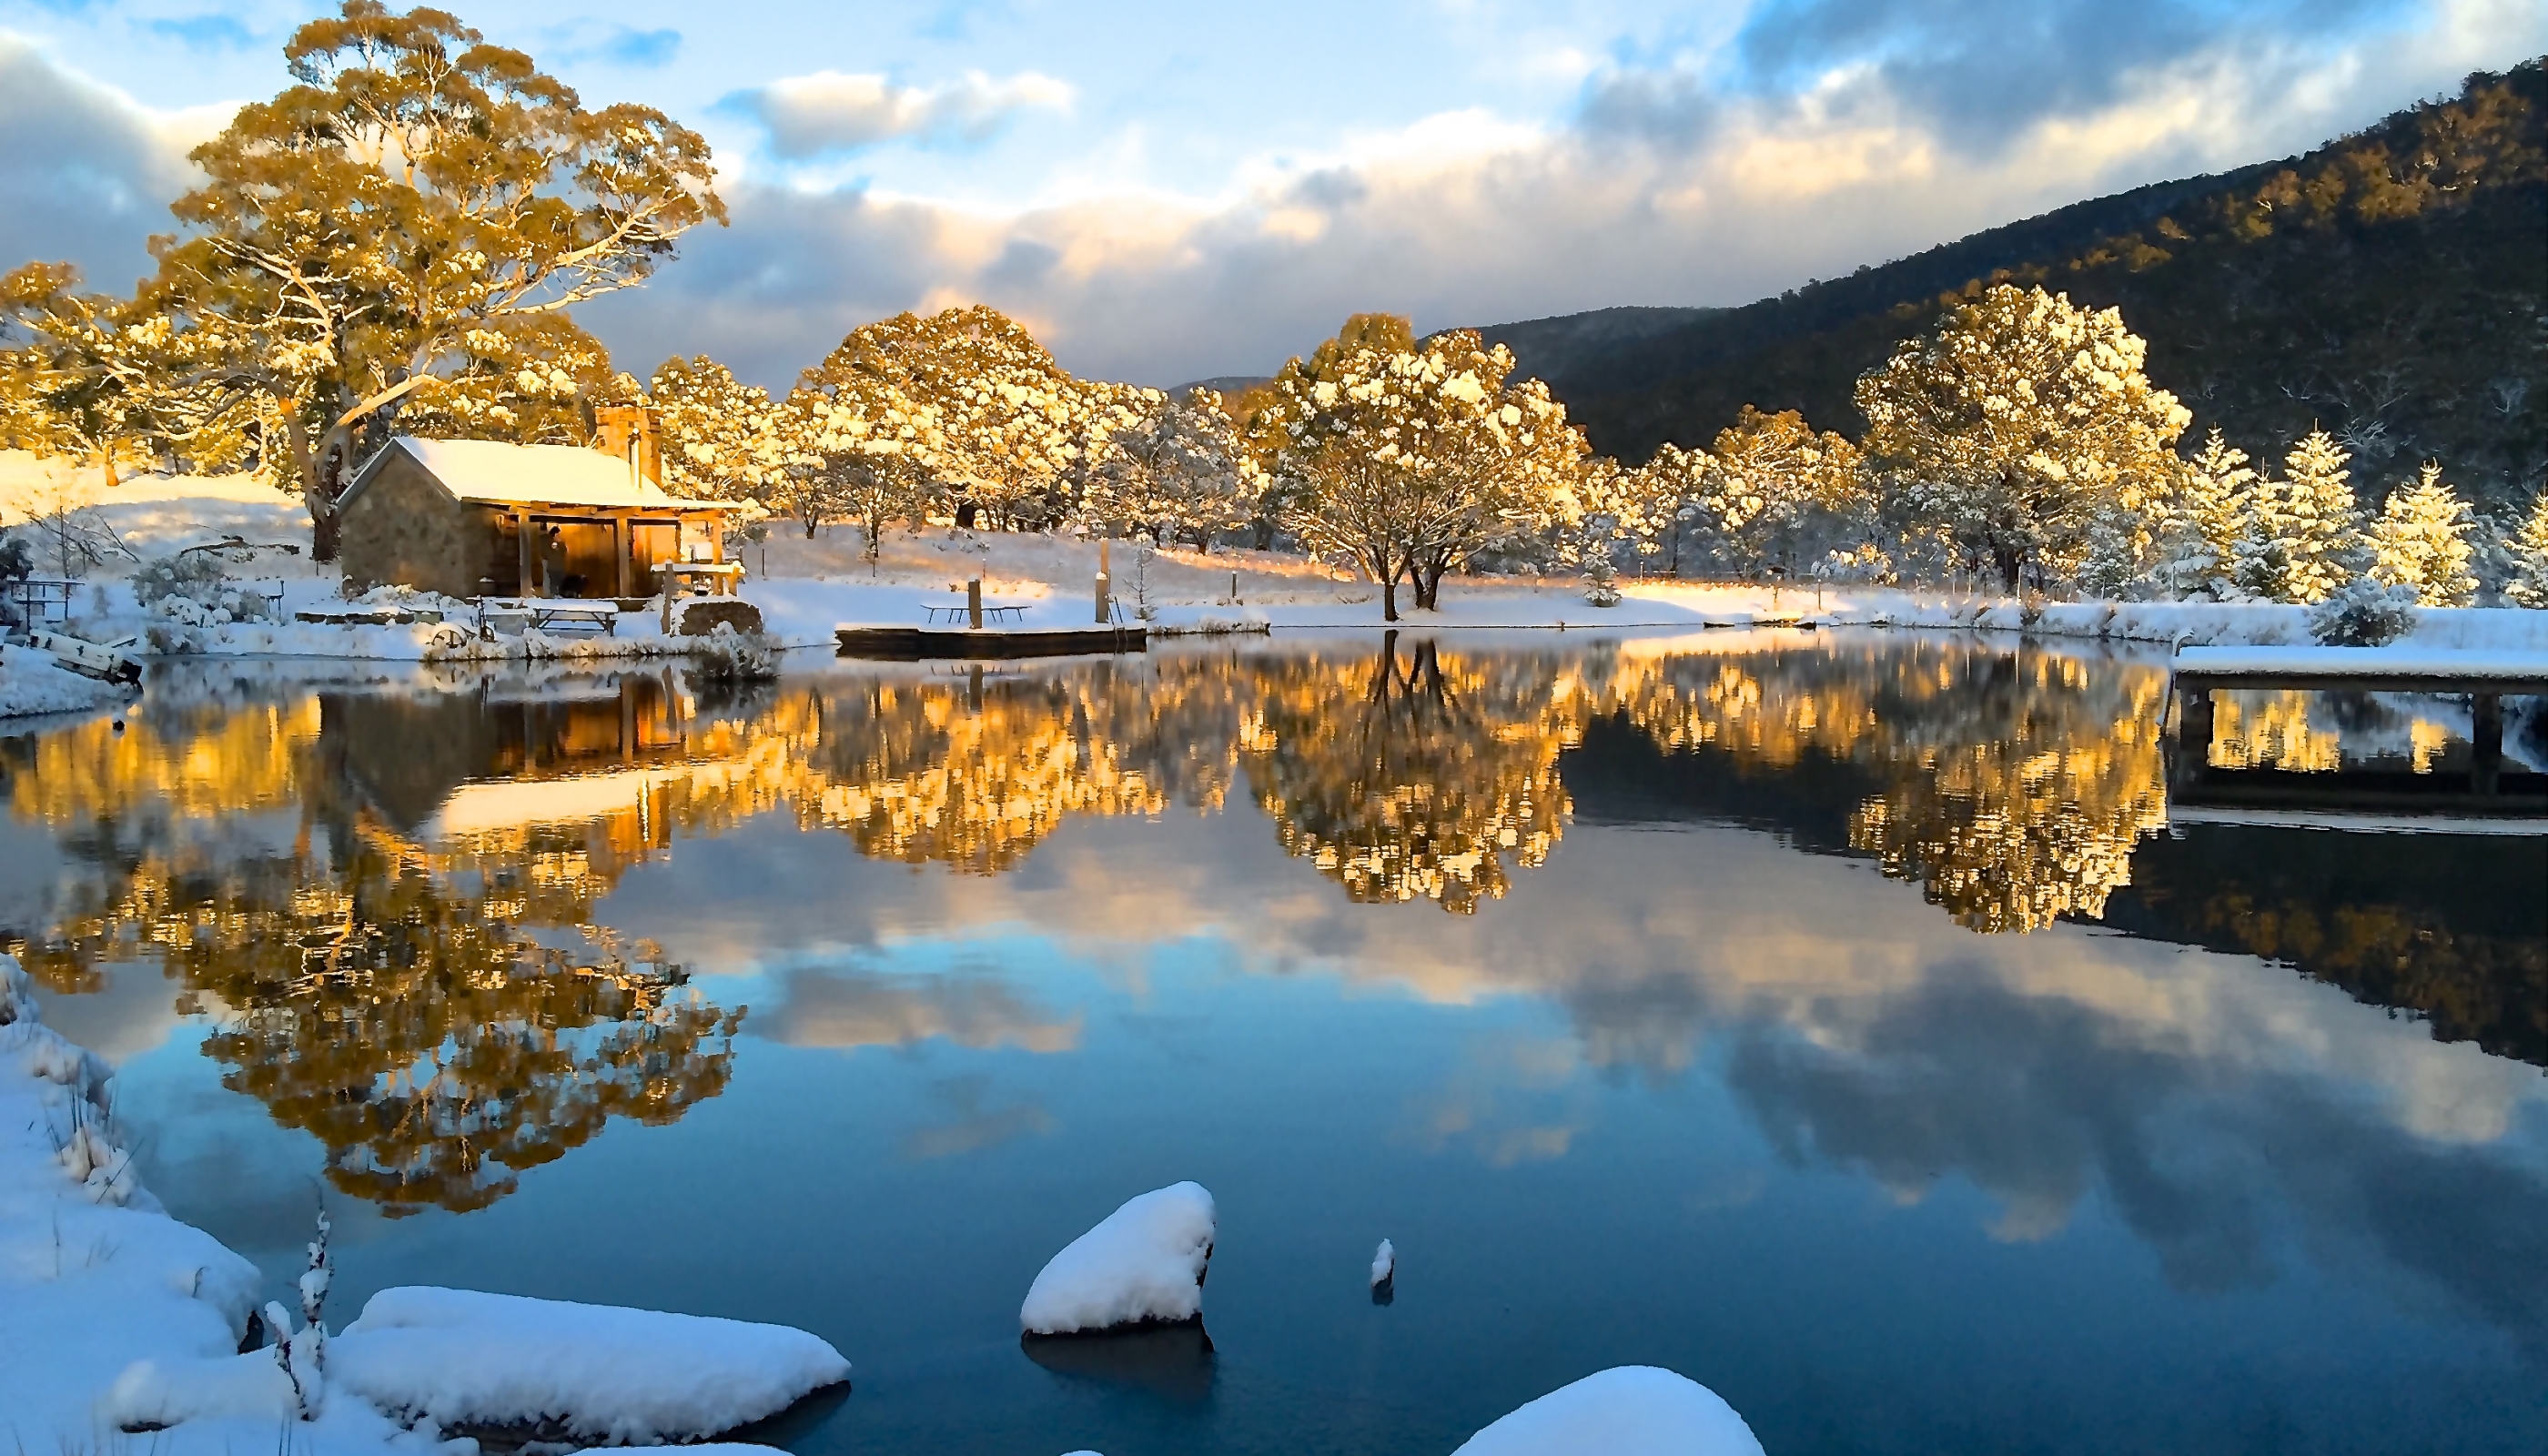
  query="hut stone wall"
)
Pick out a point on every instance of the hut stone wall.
point(405, 528)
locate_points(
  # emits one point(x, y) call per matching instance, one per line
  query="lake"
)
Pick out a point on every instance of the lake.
point(1841, 1019)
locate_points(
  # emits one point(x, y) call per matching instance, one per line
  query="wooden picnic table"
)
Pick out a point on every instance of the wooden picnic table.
point(32, 600)
point(547, 615)
point(962, 611)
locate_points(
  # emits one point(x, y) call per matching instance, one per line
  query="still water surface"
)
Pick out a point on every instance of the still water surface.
point(1838, 1021)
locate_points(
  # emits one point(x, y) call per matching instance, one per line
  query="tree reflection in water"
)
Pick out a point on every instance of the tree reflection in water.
point(395, 1001)
point(386, 900)
point(1402, 778)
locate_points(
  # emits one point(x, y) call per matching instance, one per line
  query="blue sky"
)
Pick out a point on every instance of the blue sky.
point(1169, 190)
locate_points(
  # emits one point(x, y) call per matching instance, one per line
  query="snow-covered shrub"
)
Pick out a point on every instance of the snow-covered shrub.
point(191, 576)
point(1601, 580)
point(191, 588)
point(2365, 612)
point(725, 655)
point(2528, 583)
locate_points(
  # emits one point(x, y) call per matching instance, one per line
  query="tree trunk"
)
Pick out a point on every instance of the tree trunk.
point(965, 514)
point(812, 525)
point(322, 482)
point(2009, 562)
point(1389, 598)
point(1428, 582)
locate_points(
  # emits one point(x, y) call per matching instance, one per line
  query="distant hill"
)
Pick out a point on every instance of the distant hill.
point(1223, 384)
point(2392, 285)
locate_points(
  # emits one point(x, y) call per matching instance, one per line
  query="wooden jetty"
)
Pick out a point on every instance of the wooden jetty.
point(915, 644)
point(2487, 789)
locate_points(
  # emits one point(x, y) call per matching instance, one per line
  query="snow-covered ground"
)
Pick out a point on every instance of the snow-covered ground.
point(32, 682)
point(1143, 1263)
point(116, 1318)
point(804, 588)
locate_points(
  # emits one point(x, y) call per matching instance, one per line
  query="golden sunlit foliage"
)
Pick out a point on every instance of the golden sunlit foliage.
point(387, 903)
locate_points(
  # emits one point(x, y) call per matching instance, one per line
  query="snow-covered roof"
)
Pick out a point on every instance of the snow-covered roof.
point(495, 473)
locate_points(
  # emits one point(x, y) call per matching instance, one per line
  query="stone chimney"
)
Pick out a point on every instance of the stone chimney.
point(628, 432)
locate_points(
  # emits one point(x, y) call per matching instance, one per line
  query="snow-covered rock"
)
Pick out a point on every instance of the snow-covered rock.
point(1146, 1263)
point(1625, 1411)
point(586, 1372)
point(1383, 1264)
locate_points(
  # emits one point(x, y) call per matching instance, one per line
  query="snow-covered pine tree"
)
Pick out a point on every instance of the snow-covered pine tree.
point(2422, 540)
point(2530, 581)
point(2302, 541)
point(2112, 563)
point(2198, 540)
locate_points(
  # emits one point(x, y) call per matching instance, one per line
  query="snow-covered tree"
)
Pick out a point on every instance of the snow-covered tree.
point(1649, 506)
point(85, 374)
point(2530, 581)
point(1413, 461)
point(720, 440)
point(2012, 422)
point(1013, 424)
point(2422, 540)
point(362, 239)
point(1174, 470)
point(533, 382)
point(2302, 540)
point(1774, 494)
point(856, 447)
point(2198, 532)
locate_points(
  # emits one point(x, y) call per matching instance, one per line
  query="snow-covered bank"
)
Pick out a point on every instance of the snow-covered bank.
point(118, 1318)
point(32, 682)
point(806, 587)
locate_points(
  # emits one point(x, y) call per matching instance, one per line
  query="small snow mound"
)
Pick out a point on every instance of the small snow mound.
point(1625, 1411)
point(17, 994)
point(598, 1373)
point(1145, 1262)
point(1383, 1264)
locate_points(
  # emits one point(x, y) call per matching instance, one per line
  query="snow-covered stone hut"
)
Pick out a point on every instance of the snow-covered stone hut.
point(482, 518)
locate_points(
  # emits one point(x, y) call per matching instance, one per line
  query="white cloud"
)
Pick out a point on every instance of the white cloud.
point(86, 173)
point(828, 110)
point(1658, 191)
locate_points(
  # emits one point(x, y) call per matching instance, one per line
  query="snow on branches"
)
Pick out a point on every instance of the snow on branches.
point(412, 219)
point(1172, 467)
point(2013, 425)
point(1409, 460)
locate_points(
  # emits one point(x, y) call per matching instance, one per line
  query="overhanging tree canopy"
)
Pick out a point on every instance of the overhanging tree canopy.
point(420, 208)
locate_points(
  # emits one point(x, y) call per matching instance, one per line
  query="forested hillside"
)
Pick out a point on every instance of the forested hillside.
point(2390, 286)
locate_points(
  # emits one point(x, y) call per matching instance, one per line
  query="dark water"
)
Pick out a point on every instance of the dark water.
point(1838, 1021)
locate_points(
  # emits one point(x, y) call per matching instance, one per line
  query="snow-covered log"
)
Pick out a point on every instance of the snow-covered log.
point(1144, 1264)
point(588, 1373)
point(1625, 1411)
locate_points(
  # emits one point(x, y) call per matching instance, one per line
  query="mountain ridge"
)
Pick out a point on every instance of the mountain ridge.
point(2391, 284)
